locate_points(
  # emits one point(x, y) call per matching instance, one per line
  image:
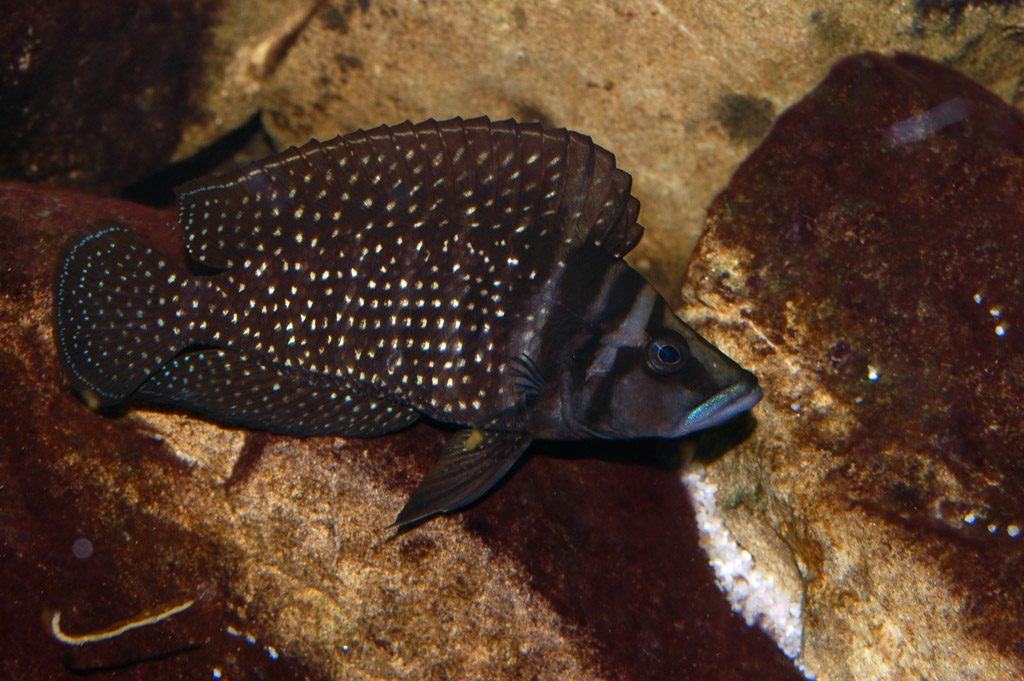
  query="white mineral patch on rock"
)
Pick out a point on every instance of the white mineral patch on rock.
point(219, 448)
point(752, 591)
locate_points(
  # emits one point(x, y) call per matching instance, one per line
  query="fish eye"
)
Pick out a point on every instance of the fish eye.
point(666, 356)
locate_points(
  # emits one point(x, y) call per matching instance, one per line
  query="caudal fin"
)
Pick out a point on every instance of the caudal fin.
point(115, 316)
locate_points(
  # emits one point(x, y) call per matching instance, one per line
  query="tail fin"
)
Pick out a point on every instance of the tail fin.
point(115, 318)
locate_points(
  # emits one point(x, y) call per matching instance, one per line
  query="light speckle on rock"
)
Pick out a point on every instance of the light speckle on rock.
point(757, 594)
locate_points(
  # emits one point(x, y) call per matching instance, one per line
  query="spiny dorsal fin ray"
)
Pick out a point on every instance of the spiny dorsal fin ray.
point(621, 236)
point(610, 212)
point(467, 171)
point(483, 145)
point(473, 462)
point(222, 385)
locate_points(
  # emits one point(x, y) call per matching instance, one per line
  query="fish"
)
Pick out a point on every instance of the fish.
point(465, 271)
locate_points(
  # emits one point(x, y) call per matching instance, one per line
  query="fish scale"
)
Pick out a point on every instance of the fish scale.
point(469, 271)
point(373, 307)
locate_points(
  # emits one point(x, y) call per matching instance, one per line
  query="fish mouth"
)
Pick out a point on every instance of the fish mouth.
point(724, 405)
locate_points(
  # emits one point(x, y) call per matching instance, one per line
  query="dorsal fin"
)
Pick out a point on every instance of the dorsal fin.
point(432, 173)
point(602, 211)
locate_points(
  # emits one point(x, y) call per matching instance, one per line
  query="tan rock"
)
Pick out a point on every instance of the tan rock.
point(864, 263)
point(680, 92)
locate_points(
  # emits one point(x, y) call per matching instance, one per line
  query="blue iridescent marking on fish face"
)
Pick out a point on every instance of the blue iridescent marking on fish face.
point(724, 405)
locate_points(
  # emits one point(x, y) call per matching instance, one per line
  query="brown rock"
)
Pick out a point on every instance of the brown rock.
point(574, 569)
point(868, 255)
point(293, 549)
point(94, 95)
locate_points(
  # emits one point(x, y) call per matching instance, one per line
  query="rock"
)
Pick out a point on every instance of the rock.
point(95, 95)
point(681, 92)
point(98, 96)
point(576, 568)
point(866, 262)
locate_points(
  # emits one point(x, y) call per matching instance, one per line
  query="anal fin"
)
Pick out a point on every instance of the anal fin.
point(228, 388)
point(473, 462)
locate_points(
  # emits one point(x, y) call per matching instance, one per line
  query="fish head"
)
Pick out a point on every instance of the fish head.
point(645, 373)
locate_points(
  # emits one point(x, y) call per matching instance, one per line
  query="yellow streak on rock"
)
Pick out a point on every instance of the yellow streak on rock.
point(107, 634)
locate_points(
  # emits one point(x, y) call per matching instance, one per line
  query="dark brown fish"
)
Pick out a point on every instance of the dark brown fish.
point(468, 271)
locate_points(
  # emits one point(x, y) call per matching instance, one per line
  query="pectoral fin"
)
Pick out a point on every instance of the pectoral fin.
point(474, 461)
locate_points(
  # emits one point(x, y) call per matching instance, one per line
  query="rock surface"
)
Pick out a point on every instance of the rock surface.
point(680, 91)
point(581, 566)
point(869, 257)
point(99, 95)
point(94, 95)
